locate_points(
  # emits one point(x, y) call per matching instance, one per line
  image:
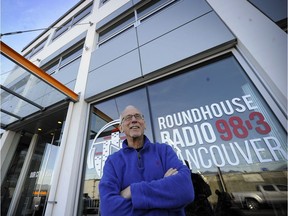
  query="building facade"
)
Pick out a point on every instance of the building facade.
point(209, 76)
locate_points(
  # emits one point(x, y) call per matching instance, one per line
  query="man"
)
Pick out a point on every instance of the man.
point(143, 178)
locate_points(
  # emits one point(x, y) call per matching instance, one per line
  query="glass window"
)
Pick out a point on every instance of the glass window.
point(276, 10)
point(72, 55)
point(282, 187)
point(106, 136)
point(62, 29)
point(268, 188)
point(64, 59)
point(74, 20)
point(118, 26)
point(28, 55)
point(51, 69)
point(126, 22)
point(151, 7)
point(37, 48)
point(82, 14)
point(213, 116)
point(218, 118)
point(102, 2)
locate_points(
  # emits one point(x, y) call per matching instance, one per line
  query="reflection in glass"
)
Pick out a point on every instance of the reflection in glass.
point(10, 181)
point(37, 184)
point(104, 139)
point(213, 117)
point(38, 94)
point(218, 119)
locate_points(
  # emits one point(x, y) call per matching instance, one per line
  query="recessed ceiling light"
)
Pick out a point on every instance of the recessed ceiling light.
point(59, 122)
point(39, 129)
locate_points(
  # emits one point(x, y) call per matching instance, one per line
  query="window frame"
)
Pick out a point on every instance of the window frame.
point(112, 25)
point(57, 61)
point(103, 2)
point(37, 48)
point(62, 29)
point(70, 22)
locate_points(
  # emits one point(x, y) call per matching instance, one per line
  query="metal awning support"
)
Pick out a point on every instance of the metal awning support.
point(22, 103)
point(25, 63)
point(11, 114)
point(21, 97)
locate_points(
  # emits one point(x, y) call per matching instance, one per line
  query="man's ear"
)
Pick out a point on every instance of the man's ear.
point(120, 128)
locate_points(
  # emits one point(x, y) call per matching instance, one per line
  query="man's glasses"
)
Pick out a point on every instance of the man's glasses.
point(128, 118)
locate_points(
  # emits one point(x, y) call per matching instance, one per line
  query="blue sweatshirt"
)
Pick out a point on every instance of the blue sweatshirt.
point(151, 192)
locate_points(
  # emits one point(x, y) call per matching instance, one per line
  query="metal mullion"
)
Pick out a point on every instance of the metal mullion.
point(10, 114)
point(116, 33)
point(21, 97)
point(67, 63)
point(155, 10)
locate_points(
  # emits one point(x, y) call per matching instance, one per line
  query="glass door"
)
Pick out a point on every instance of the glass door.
point(35, 191)
point(9, 184)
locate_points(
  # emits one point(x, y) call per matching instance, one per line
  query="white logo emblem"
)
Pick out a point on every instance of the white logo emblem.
point(99, 151)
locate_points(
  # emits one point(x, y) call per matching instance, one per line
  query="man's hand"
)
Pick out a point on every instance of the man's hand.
point(171, 172)
point(126, 193)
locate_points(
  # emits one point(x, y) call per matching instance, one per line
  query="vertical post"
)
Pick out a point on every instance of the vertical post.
point(221, 180)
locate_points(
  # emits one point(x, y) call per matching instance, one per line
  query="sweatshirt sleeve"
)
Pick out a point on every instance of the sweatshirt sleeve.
point(110, 199)
point(168, 192)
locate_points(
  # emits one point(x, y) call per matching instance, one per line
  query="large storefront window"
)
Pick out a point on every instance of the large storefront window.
point(215, 118)
point(104, 139)
point(218, 119)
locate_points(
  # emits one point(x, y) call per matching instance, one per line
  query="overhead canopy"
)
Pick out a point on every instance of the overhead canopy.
point(26, 89)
